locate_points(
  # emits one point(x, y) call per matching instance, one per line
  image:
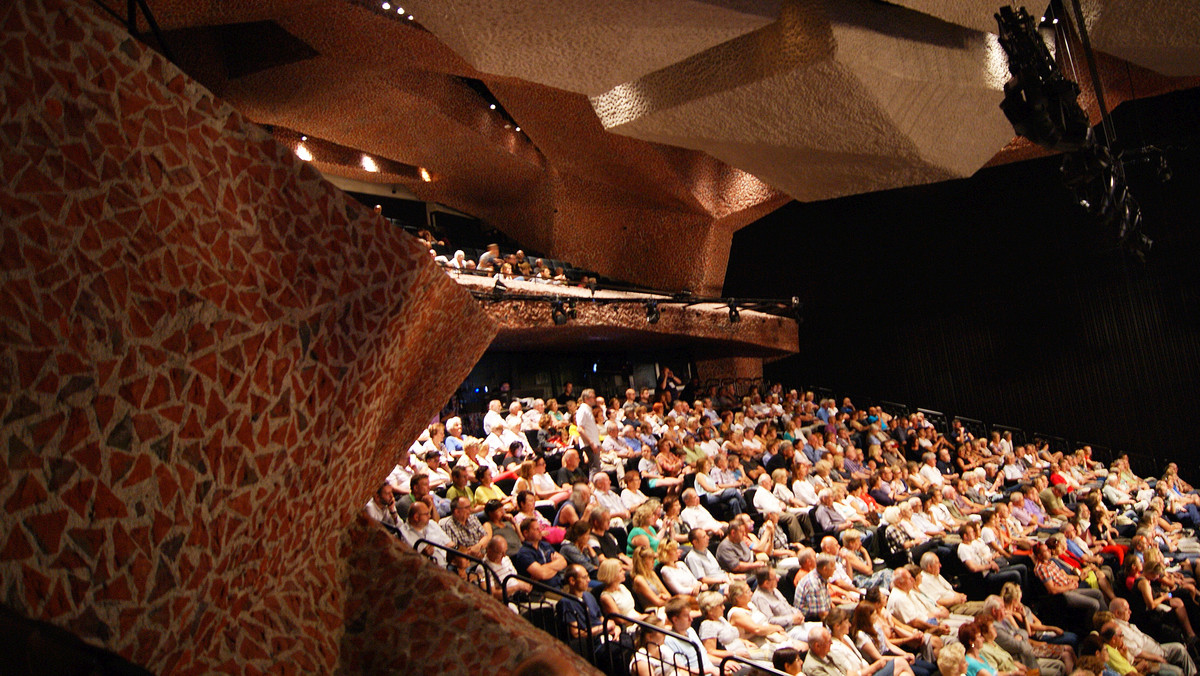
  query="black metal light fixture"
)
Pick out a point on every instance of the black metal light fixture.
point(652, 314)
point(558, 313)
point(734, 315)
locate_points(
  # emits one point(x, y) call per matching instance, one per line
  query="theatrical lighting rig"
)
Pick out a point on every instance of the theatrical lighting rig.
point(1043, 106)
point(734, 315)
point(558, 312)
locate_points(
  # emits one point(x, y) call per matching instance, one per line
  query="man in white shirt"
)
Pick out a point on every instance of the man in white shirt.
point(694, 515)
point(420, 527)
point(531, 419)
point(496, 559)
point(589, 433)
point(770, 602)
point(703, 564)
point(1140, 645)
point(606, 497)
point(933, 585)
point(493, 418)
point(908, 605)
point(402, 474)
point(929, 471)
point(765, 502)
point(382, 507)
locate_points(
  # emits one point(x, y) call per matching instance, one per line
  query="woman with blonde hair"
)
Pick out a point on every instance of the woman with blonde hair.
point(644, 529)
point(1047, 641)
point(753, 626)
point(678, 578)
point(721, 639)
point(647, 586)
point(615, 598)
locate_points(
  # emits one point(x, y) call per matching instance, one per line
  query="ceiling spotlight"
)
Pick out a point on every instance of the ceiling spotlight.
point(734, 315)
point(369, 164)
point(303, 138)
point(387, 6)
point(399, 10)
point(518, 129)
point(425, 175)
point(558, 313)
point(303, 153)
point(492, 107)
point(410, 17)
point(652, 314)
point(1055, 22)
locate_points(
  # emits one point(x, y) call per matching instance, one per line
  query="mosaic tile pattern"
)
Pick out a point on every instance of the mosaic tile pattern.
point(402, 617)
point(207, 356)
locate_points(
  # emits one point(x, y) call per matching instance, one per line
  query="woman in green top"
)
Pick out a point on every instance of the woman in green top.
point(644, 531)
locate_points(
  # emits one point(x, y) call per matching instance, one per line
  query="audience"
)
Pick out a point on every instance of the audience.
point(839, 503)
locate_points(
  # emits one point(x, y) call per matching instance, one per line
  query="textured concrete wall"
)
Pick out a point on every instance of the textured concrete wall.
point(208, 356)
point(730, 368)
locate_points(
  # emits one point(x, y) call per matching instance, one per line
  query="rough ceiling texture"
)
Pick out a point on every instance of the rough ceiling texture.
point(649, 132)
point(834, 99)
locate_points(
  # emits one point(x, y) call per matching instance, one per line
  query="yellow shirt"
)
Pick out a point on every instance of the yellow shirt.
point(485, 493)
point(1117, 661)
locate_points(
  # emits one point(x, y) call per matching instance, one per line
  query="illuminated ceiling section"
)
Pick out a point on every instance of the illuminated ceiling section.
point(582, 45)
point(834, 99)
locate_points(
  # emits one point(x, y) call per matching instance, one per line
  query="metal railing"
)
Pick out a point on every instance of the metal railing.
point(749, 667)
point(478, 573)
point(545, 609)
point(622, 656)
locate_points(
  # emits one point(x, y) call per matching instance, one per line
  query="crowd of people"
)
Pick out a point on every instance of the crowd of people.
point(813, 536)
point(514, 266)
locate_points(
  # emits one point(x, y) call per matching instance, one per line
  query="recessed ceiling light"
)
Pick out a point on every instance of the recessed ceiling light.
point(303, 153)
point(410, 17)
point(399, 10)
point(387, 6)
point(369, 164)
point(518, 129)
point(303, 138)
point(492, 107)
point(425, 175)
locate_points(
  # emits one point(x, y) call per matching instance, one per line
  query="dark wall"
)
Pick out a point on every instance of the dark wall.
point(996, 297)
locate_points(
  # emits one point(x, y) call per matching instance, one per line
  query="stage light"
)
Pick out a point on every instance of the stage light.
point(410, 17)
point(734, 315)
point(303, 138)
point(652, 314)
point(558, 313)
point(369, 164)
point(492, 107)
point(518, 129)
point(387, 6)
point(571, 309)
point(303, 153)
point(1164, 169)
point(425, 175)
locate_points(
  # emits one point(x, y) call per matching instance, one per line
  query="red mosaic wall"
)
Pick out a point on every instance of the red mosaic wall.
point(208, 356)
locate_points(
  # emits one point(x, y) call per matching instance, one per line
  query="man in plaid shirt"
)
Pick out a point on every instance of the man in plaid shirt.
point(812, 594)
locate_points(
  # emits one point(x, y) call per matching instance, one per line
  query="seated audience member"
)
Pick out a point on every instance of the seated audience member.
point(821, 662)
point(578, 547)
point(952, 660)
point(812, 592)
point(537, 559)
point(845, 652)
point(985, 564)
point(382, 506)
point(487, 491)
point(570, 473)
point(753, 626)
point(632, 496)
point(1058, 581)
point(691, 655)
point(859, 565)
point(1046, 640)
point(675, 574)
point(908, 605)
point(615, 597)
point(703, 563)
point(1171, 659)
point(734, 553)
point(766, 502)
point(604, 496)
point(775, 608)
point(496, 559)
point(466, 534)
point(421, 493)
point(582, 617)
point(694, 515)
point(419, 526)
point(648, 587)
point(1016, 640)
point(868, 627)
point(932, 584)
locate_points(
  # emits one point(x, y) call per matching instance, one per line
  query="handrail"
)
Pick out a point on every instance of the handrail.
point(755, 666)
point(674, 663)
point(488, 573)
point(585, 644)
